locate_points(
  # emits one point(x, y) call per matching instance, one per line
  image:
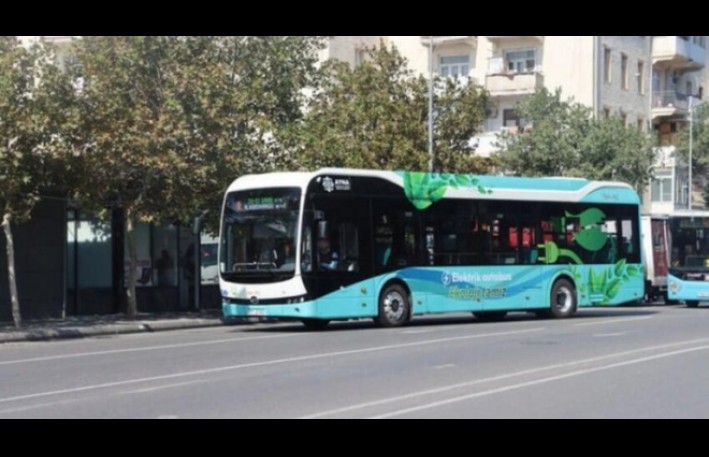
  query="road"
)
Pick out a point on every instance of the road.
point(635, 362)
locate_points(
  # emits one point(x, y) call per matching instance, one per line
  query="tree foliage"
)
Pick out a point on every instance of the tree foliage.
point(375, 115)
point(561, 138)
point(167, 122)
point(33, 95)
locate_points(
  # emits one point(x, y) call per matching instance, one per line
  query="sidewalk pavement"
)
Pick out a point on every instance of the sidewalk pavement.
point(89, 326)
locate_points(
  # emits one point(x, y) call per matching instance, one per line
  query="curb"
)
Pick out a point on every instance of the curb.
point(47, 334)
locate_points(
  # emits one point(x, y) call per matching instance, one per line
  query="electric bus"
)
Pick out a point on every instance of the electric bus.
point(341, 244)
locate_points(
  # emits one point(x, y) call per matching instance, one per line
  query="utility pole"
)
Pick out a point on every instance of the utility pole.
point(691, 138)
point(430, 105)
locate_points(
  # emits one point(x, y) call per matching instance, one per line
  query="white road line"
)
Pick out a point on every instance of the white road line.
point(609, 335)
point(537, 382)
point(264, 363)
point(502, 377)
point(614, 321)
point(148, 348)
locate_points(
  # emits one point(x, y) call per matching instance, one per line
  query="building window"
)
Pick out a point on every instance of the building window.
point(606, 113)
point(624, 71)
point(624, 118)
point(510, 118)
point(641, 77)
point(641, 124)
point(360, 56)
point(661, 188)
point(458, 66)
point(607, 65)
point(521, 61)
point(690, 88)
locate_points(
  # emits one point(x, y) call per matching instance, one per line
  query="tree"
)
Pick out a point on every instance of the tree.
point(32, 97)
point(553, 146)
point(616, 152)
point(169, 121)
point(375, 115)
point(561, 138)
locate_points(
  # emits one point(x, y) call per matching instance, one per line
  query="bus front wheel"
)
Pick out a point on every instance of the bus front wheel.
point(394, 307)
point(563, 299)
point(692, 304)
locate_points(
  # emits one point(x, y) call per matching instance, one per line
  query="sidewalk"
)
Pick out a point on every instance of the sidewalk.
point(88, 326)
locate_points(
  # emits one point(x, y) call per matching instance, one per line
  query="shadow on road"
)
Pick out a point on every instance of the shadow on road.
point(585, 314)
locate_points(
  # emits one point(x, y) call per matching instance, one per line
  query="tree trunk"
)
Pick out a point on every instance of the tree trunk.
point(12, 281)
point(132, 309)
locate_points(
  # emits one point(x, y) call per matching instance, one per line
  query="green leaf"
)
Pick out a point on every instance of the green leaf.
point(620, 267)
point(437, 193)
point(613, 287)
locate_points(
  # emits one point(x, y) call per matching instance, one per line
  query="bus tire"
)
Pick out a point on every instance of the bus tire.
point(692, 304)
point(315, 324)
point(394, 307)
point(563, 300)
point(490, 316)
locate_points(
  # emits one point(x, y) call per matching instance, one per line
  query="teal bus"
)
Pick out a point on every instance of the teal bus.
point(688, 277)
point(340, 244)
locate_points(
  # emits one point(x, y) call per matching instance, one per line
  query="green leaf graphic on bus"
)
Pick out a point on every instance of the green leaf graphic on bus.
point(591, 216)
point(604, 284)
point(590, 237)
point(424, 189)
point(552, 253)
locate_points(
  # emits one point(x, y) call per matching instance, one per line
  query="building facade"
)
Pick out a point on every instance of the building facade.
point(646, 80)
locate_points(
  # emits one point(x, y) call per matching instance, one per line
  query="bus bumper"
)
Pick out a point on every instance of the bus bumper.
point(296, 310)
point(687, 289)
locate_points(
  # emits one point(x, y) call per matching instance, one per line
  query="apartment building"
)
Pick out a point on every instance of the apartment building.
point(646, 80)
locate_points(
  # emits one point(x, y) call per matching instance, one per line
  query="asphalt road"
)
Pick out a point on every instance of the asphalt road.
point(636, 362)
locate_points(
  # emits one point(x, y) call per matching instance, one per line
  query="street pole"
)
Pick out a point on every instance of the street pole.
point(430, 105)
point(691, 138)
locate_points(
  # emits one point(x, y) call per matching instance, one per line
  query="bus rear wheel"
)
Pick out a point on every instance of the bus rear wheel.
point(315, 324)
point(394, 307)
point(692, 304)
point(563, 300)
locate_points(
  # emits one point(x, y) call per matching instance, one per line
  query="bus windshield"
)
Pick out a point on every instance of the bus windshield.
point(259, 233)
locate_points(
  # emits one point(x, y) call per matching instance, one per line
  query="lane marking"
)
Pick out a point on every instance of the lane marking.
point(614, 321)
point(264, 363)
point(501, 377)
point(537, 382)
point(145, 349)
point(609, 335)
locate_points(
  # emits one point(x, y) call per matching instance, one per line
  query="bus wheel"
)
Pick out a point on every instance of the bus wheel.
point(315, 324)
point(563, 299)
point(394, 308)
point(490, 316)
point(692, 304)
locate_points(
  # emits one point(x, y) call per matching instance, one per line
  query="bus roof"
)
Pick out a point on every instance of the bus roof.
point(464, 186)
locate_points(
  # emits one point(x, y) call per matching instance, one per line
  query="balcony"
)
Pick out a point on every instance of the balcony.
point(450, 40)
point(678, 52)
point(506, 84)
point(501, 39)
point(669, 104)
